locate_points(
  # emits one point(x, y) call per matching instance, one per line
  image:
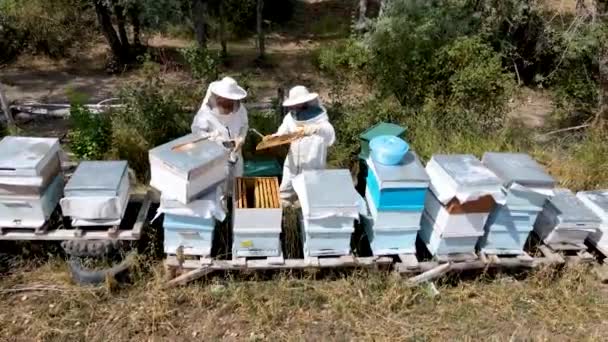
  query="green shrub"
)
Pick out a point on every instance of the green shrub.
point(202, 63)
point(50, 27)
point(91, 133)
point(336, 58)
point(153, 114)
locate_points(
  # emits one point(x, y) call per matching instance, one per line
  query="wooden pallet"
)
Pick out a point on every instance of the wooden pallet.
point(572, 253)
point(83, 233)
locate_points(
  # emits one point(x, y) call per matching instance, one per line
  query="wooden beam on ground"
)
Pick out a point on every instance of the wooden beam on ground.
point(430, 274)
point(188, 277)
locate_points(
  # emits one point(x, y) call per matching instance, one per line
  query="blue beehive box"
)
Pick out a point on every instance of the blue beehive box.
point(507, 231)
point(399, 187)
point(391, 235)
point(527, 187)
point(193, 234)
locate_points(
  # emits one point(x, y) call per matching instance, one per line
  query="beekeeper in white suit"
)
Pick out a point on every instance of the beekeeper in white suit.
point(224, 118)
point(308, 116)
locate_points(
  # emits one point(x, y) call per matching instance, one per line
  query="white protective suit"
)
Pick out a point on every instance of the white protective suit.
point(307, 153)
point(228, 127)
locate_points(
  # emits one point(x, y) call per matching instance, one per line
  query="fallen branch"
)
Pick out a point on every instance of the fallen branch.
point(37, 288)
point(430, 274)
point(567, 129)
point(188, 277)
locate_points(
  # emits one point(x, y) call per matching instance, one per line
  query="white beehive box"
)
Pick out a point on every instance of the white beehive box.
point(464, 177)
point(28, 165)
point(98, 190)
point(185, 174)
point(597, 201)
point(31, 182)
point(566, 220)
point(30, 211)
point(257, 217)
point(330, 206)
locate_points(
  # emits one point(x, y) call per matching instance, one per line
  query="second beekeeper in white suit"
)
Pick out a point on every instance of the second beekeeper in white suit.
point(224, 118)
point(307, 116)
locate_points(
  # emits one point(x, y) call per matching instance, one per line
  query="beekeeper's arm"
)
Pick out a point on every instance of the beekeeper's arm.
point(244, 124)
point(284, 128)
point(201, 124)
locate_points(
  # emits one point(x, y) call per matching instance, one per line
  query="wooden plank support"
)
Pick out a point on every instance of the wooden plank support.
point(142, 216)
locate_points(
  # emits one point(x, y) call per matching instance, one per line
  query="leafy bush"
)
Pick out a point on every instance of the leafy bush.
point(203, 64)
point(91, 133)
point(343, 56)
point(153, 114)
point(50, 27)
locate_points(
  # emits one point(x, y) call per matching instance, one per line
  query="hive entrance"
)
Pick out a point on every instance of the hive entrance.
point(257, 193)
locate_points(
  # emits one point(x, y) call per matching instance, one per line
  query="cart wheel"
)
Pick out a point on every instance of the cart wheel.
point(90, 248)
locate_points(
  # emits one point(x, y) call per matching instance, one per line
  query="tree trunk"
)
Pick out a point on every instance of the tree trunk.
point(121, 22)
point(260, 29)
point(199, 16)
point(223, 29)
point(134, 17)
point(105, 22)
point(362, 13)
point(5, 108)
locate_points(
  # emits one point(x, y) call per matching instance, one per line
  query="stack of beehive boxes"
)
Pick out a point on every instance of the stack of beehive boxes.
point(97, 194)
point(463, 192)
point(527, 187)
point(31, 181)
point(566, 220)
point(257, 218)
point(330, 206)
point(395, 197)
point(191, 182)
point(597, 201)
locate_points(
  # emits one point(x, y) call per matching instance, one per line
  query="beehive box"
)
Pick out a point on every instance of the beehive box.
point(257, 217)
point(31, 183)
point(185, 174)
point(566, 220)
point(98, 190)
point(30, 211)
point(391, 233)
point(28, 165)
point(330, 206)
point(399, 187)
point(507, 231)
point(193, 235)
point(440, 242)
point(597, 201)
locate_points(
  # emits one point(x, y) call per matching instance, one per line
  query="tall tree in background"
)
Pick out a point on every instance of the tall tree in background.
point(199, 18)
point(260, 28)
point(5, 108)
point(118, 41)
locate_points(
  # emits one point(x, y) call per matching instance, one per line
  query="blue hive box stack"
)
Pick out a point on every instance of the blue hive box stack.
point(566, 221)
point(31, 181)
point(191, 182)
point(395, 197)
point(527, 187)
point(463, 193)
point(330, 206)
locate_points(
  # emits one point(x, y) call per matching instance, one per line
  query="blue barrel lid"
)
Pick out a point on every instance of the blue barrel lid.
point(389, 144)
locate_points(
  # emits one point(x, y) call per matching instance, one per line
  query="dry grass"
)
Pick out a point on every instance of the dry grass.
point(364, 306)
